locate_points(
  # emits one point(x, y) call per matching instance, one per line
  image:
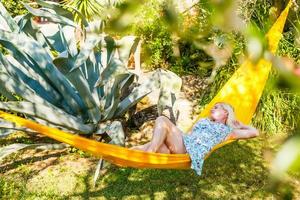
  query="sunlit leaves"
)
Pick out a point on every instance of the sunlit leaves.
point(225, 15)
point(256, 43)
point(288, 156)
point(121, 18)
point(89, 8)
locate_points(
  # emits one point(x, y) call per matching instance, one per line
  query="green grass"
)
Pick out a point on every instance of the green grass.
point(236, 171)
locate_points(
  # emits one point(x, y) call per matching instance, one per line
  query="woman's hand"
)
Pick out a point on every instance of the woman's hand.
point(237, 124)
point(242, 131)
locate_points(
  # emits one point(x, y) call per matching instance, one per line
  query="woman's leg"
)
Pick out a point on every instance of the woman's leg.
point(143, 147)
point(162, 149)
point(165, 132)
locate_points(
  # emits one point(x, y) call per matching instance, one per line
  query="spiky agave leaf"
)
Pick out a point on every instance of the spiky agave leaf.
point(16, 71)
point(170, 85)
point(113, 97)
point(13, 148)
point(50, 15)
point(7, 94)
point(4, 132)
point(165, 81)
point(7, 128)
point(49, 113)
point(37, 53)
point(126, 46)
point(7, 22)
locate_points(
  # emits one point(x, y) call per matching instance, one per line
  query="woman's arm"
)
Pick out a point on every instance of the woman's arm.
point(242, 131)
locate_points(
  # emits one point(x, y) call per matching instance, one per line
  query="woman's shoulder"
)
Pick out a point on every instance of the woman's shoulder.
point(203, 119)
point(221, 126)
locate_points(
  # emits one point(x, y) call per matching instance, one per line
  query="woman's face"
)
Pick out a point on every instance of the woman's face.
point(217, 113)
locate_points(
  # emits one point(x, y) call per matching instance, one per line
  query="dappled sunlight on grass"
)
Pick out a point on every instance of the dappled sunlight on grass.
point(236, 167)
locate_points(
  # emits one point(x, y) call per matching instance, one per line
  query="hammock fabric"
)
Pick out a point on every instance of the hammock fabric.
point(242, 91)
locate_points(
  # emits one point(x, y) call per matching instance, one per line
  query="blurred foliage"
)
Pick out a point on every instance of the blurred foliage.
point(15, 7)
point(159, 26)
point(224, 73)
point(157, 45)
point(278, 109)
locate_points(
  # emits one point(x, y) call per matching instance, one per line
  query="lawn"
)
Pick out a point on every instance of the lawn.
point(236, 171)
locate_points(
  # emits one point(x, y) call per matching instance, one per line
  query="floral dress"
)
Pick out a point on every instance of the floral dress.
point(204, 136)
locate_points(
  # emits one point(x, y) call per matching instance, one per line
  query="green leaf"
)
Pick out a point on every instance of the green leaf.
point(55, 7)
point(13, 86)
point(170, 84)
point(60, 38)
point(6, 20)
point(22, 21)
point(124, 85)
point(80, 83)
point(16, 87)
point(91, 41)
point(13, 148)
point(112, 98)
point(126, 46)
point(97, 171)
point(29, 64)
point(7, 128)
point(25, 74)
point(114, 68)
point(5, 132)
point(92, 74)
point(19, 73)
point(49, 113)
point(86, 8)
point(7, 94)
point(116, 133)
point(110, 45)
point(36, 52)
point(165, 81)
point(68, 35)
point(53, 17)
point(152, 83)
point(53, 35)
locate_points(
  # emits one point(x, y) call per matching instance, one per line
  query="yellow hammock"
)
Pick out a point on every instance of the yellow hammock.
point(242, 91)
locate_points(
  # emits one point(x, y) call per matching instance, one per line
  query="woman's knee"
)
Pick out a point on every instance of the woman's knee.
point(163, 120)
point(163, 149)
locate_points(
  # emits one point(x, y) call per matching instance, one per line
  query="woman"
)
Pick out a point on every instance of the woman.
point(205, 134)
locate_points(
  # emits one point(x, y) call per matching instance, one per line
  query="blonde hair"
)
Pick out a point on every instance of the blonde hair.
point(231, 115)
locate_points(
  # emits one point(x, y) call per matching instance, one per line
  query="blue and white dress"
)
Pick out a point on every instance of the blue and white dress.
point(204, 136)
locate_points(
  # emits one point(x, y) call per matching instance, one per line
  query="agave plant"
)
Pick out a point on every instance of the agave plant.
point(69, 85)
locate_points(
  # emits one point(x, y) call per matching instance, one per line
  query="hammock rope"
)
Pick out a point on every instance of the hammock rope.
point(243, 91)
